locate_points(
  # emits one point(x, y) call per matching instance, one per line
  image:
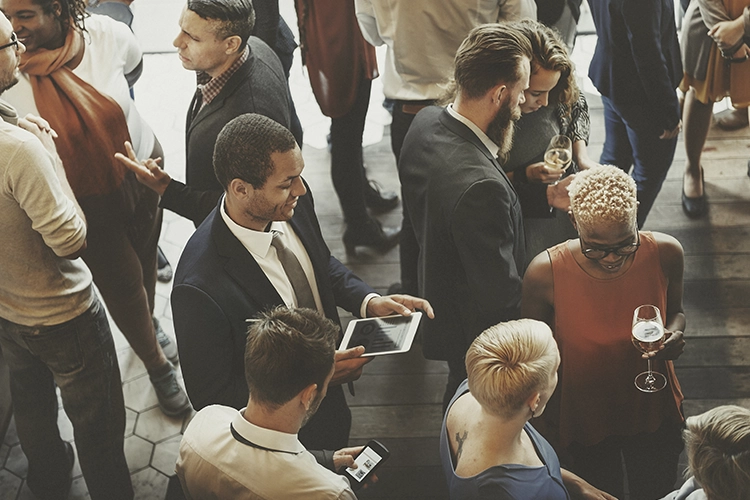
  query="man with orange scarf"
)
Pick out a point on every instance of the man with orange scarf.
point(77, 83)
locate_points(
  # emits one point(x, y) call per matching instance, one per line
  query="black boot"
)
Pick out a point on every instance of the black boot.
point(369, 234)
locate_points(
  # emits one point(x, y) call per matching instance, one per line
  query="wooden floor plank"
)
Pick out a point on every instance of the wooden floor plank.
point(715, 351)
point(401, 421)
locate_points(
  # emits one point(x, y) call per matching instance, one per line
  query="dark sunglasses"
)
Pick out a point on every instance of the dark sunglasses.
point(13, 42)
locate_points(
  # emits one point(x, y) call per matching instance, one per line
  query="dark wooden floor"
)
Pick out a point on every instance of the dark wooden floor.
point(399, 397)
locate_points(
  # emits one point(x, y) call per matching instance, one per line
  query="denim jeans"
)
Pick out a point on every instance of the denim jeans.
point(632, 140)
point(79, 357)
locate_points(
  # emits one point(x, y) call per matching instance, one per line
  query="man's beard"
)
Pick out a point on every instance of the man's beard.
point(501, 129)
point(6, 84)
point(313, 407)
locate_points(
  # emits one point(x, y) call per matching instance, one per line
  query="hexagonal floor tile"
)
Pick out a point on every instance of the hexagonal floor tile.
point(139, 395)
point(65, 426)
point(137, 452)
point(11, 435)
point(155, 426)
point(130, 419)
point(9, 484)
point(149, 484)
point(165, 455)
point(131, 366)
point(17, 462)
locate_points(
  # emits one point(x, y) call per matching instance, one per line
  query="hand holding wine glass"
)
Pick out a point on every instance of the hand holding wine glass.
point(648, 336)
point(559, 154)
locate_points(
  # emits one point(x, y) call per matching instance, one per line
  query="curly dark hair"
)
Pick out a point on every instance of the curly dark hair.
point(70, 11)
point(551, 54)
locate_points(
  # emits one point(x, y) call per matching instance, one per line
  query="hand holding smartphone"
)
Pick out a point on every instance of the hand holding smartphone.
point(368, 461)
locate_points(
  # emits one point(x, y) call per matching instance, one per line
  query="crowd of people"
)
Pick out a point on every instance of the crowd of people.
point(492, 231)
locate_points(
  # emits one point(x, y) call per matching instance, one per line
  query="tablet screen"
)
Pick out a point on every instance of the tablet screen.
point(382, 335)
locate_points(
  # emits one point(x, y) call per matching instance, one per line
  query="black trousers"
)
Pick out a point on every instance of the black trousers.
point(408, 245)
point(650, 461)
point(347, 167)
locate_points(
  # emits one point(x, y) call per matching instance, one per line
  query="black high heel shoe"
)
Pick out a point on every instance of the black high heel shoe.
point(379, 201)
point(695, 207)
point(370, 234)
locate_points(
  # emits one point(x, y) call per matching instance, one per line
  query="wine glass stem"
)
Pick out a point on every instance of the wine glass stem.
point(648, 360)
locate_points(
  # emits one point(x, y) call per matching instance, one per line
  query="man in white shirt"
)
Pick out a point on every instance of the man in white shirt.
point(262, 247)
point(255, 452)
point(418, 64)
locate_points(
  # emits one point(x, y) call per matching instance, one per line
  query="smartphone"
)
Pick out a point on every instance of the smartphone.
point(368, 460)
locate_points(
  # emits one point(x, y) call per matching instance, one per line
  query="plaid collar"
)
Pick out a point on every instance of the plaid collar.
point(210, 87)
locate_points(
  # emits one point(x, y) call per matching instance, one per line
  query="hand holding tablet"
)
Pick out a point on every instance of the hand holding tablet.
point(385, 335)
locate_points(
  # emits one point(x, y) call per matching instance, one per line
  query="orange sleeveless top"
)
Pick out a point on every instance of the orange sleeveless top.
point(596, 396)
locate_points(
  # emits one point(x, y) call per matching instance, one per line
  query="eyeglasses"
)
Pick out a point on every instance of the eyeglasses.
point(600, 253)
point(13, 42)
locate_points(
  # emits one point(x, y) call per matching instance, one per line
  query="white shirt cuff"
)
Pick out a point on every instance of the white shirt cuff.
point(363, 307)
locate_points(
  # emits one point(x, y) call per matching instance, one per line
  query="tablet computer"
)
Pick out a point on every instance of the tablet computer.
point(386, 335)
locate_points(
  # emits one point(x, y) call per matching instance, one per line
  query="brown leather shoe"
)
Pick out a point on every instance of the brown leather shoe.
point(732, 119)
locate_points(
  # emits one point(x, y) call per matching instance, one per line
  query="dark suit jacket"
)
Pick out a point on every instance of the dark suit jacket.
point(467, 219)
point(637, 57)
point(259, 86)
point(218, 285)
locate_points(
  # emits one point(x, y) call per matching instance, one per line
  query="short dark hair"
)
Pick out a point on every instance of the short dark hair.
point(244, 147)
point(490, 54)
point(287, 350)
point(70, 11)
point(236, 17)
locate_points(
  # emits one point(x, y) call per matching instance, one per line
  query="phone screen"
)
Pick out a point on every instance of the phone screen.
point(365, 461)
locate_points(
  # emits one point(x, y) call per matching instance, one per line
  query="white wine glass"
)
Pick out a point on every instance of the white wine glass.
point(559, 153)
point(648, 336)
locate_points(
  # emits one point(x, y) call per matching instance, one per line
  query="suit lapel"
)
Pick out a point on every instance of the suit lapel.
point(235, 81)
point(241, 266)
point(467, 134)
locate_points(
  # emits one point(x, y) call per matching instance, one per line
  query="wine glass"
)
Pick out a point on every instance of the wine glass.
point(648, 336)
point(559, 153)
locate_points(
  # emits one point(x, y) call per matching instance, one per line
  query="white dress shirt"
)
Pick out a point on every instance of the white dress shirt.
point(423, 36)
point(212, 463)
point(488, 143)
point(258, 243)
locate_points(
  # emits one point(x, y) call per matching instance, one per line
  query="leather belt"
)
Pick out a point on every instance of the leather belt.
point(414, 107)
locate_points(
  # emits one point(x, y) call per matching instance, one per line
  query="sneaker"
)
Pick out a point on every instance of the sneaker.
point(164, 274)
point(172, 399)
point(163, 268)
point(169, 347)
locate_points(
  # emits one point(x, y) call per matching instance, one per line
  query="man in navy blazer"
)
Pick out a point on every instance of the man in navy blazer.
point(637, 67)
point(230, 271)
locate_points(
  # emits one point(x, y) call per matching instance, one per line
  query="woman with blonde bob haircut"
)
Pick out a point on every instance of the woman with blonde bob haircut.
point(718, 450)
point(487, 446)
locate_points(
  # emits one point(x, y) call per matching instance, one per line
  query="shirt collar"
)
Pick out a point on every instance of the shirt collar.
point(267, 438)
point(488, 143)
point(211, 87)
point(256, 242)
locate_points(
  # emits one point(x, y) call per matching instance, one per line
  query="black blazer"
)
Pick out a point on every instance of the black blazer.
point(637, 57)
point(258, 86)
point(467, 219)
point(218, 285)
